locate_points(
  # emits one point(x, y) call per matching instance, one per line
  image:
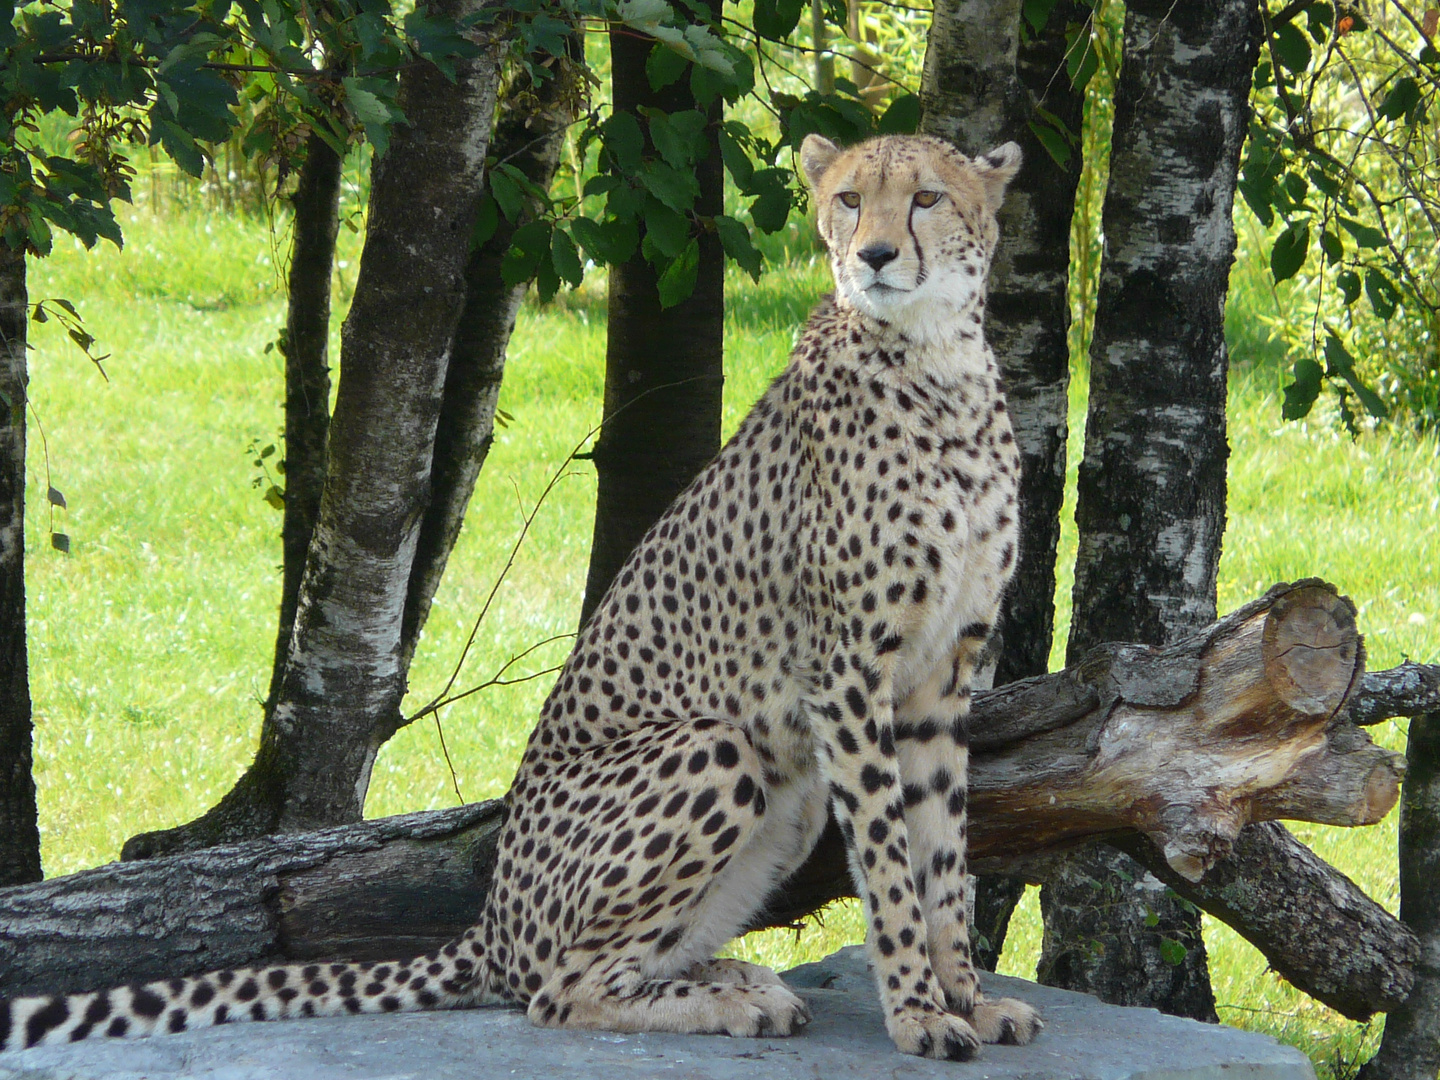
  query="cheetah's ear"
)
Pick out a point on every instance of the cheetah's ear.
point(817, 154)
point(997, 169)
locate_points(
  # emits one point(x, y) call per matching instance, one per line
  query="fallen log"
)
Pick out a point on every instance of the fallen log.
point(1184, 745)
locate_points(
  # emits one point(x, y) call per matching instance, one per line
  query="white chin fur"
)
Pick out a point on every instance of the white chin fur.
point(928, 315)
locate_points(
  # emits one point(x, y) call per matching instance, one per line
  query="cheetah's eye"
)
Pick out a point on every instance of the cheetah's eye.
point(926, 199)
point(849, 198)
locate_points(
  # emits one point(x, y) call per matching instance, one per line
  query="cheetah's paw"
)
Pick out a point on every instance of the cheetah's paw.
point(1006, 1020)
point(937, 1034)
point(750, 1012)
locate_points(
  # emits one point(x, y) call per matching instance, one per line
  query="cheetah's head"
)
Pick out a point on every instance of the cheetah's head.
point(909, 222)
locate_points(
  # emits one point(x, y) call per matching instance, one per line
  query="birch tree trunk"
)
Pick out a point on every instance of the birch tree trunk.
point(339, 698)
point(306, 347)
point(664, 368)
point(1151, 508)
point(19, 834)
point(531, 121)
point(1410, 1048)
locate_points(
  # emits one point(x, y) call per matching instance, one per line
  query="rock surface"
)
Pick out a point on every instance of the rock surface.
point(1083, 1040)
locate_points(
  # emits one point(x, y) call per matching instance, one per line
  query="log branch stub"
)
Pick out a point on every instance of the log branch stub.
point(1408, 690)
point(1186, 744)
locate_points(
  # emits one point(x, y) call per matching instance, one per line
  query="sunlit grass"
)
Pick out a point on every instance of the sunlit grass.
point(151, 642)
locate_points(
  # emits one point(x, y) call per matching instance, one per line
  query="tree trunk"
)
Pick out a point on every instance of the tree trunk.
point(530, 127)
point(981, 87)
point(664, 368)
point(306, 348)
point(339, 698)
point(1151, 508)
point(19, 833)
point(1252, 707)
point(1410, 1048)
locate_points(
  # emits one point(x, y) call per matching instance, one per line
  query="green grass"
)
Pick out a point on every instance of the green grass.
point(150, 644)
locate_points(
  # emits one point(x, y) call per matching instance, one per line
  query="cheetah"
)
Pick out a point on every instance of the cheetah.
point(795, 637)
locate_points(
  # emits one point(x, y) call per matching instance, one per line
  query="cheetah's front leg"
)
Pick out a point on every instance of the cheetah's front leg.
point(864, 777)
point(932, 742)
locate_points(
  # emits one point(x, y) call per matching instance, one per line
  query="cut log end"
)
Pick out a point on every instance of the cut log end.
point(1311, 649)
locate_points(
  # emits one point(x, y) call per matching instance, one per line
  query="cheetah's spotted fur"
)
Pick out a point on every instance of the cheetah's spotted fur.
point(796, 635)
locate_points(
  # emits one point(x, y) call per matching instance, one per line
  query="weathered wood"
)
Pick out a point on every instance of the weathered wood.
point(1186, 745)
point(375, 890)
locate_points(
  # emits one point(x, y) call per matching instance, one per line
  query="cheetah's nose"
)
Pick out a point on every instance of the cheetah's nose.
point(877, 255)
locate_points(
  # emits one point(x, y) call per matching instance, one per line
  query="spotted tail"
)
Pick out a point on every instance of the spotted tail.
point(448, 978)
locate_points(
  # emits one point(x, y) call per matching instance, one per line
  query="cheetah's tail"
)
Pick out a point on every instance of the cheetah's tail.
point(452, 977)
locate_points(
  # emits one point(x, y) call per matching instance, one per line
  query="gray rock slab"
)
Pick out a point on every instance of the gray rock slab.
point(1083, 1040)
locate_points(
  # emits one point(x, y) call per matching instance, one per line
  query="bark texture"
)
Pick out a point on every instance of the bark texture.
point(981, 86)
point(1254, 707)
point(1151, 506)
point(664, 370)
point(530, 125)
point(344, 677)
point(1410, 1047)
point(316, 203)
point(19, 834)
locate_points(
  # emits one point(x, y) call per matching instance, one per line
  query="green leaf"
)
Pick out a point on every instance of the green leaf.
point(738, 162)
point(1384, 297)
point(1333, 248)
point(678, 280)
point(1342, 364)
point(1288, 254)
point(1301, 394)
point(1402, 98)
point(1171, 951)
point(777, 18)
point(1054, 142)
point(487, 220)
point(601, 183)
point(1336, 355)
point(547, 280)
point(1037, 13)
point(663, 66)
point(1290, 48)
point(623, 141)
point(530, 244)
point(275, 497)
point(680, 136)
point(1296, 187)
point(1367, 236)
point(676, 189)
point(667, 230)
point(55, 498)
point(901, 118)
point(374, 114)
point(507, 193)
point(1349, 283)
point(735, 239)
point(565, 258)
point(772, 209)
point(60, 542)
